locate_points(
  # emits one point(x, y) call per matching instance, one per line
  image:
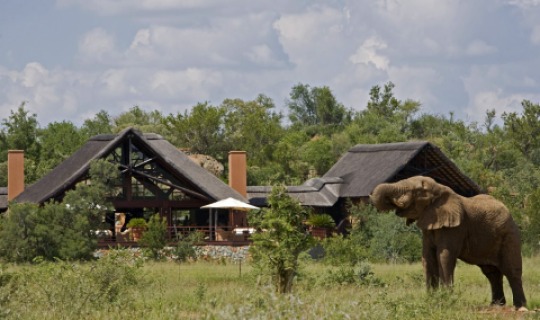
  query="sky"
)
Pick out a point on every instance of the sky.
point(69, 59)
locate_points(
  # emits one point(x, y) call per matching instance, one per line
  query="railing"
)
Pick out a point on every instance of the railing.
point(217, 235)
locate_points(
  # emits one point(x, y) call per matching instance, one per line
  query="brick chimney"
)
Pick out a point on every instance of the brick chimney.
point(15, 173)
point(238, 171)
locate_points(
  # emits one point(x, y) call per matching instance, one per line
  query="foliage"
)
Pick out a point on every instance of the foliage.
point(66, 290)
point(501, 154)
point(361, 274)
point(154, 238)
point(100, 124)
point(58, 230)
point(216, 291)
point(17, 239)
point(322, 220)
point(200, 129)
point(137, 223)
point(19, 132)
point(252, 125)
point(186, 246)
point(531, 233)
point(142, 120)
point(344, 250)
point(276, 248)
point(524, 130)
point(385, 236)
point(316, 109)
point(59, 141)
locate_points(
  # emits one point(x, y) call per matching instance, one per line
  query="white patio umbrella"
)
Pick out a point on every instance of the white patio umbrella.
point(229, 203)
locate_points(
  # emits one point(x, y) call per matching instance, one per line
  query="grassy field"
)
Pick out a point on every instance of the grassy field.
point(210, 290)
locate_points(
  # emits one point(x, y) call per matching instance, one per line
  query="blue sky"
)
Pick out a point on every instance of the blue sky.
point(68, 59)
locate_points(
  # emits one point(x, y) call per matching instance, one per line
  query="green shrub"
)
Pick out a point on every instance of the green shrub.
point(385, 236)
point(154, 239)
point(67, 290)
point(58, 230)
point(275, 251)
point(340, 250)
point(321, 220)
point(185, 248)
point(137, 223)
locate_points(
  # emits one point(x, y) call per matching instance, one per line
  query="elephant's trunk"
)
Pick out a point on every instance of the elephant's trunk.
point(384, 198)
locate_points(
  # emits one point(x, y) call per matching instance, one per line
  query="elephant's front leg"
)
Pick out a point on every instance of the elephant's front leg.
point(447, 263)
point(429, 262)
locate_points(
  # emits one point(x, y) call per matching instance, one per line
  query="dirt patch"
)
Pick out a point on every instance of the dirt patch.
point(506, 312)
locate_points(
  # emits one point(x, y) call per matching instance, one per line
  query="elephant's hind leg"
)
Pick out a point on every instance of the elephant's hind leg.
point(517, 290)
point(495, 278)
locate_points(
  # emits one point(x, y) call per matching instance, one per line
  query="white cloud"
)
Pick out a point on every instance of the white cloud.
point(535, 35)
point(479, 48)
point(168, 54)
point(416, 83)
point(313, 36)
point(107, 7)
point(114, 82)
point(32, 74)
point(367, 53)
point(487, 89)
point(525, 3)
point(97, 45)
point(192, 83)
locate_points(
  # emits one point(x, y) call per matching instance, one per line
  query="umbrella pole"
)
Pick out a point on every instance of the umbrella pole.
point(215, 223)
point(210, 233)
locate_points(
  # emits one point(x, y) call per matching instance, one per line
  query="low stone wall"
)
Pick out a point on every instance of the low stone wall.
point(209, 253)
point(223, 253)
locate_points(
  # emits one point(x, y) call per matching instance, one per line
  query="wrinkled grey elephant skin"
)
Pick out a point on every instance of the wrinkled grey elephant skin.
point(478, 230)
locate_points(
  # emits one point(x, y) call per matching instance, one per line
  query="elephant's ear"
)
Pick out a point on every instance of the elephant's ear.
point(444, 211)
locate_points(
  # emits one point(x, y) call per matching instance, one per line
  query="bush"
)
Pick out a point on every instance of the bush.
point(275, 250)
point(386, 237)
point(154, 238)
point(344, 250)
point(66, 290)
point(321, 220)
point(137, 223)
point(343, 275)
point(58, 230)
point(185, 248)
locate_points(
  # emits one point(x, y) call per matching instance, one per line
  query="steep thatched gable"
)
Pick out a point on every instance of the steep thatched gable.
point(202, 184)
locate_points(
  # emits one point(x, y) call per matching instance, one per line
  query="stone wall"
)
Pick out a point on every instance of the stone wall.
point(208, 253)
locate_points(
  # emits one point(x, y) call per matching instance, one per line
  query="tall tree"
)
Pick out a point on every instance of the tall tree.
point(385, 119)
point(20, 131)
point(252, 126)
point(524, 129)
point(317, 106)
point(101, 123)
point(146, 121)
point(58, 141)
point(201, 129)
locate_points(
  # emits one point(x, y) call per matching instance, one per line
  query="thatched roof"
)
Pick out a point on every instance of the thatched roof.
point(317, 192)
point(365, 166)
point(76, 167)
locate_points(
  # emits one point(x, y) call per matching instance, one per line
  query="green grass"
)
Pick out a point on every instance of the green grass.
point(207, 290)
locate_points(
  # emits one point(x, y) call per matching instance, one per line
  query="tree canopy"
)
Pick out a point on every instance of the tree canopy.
point(305, 135)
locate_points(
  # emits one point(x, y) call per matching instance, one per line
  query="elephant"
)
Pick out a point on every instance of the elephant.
point(478, 230)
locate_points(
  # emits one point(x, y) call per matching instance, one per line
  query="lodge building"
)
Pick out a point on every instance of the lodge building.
point(156, 177)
